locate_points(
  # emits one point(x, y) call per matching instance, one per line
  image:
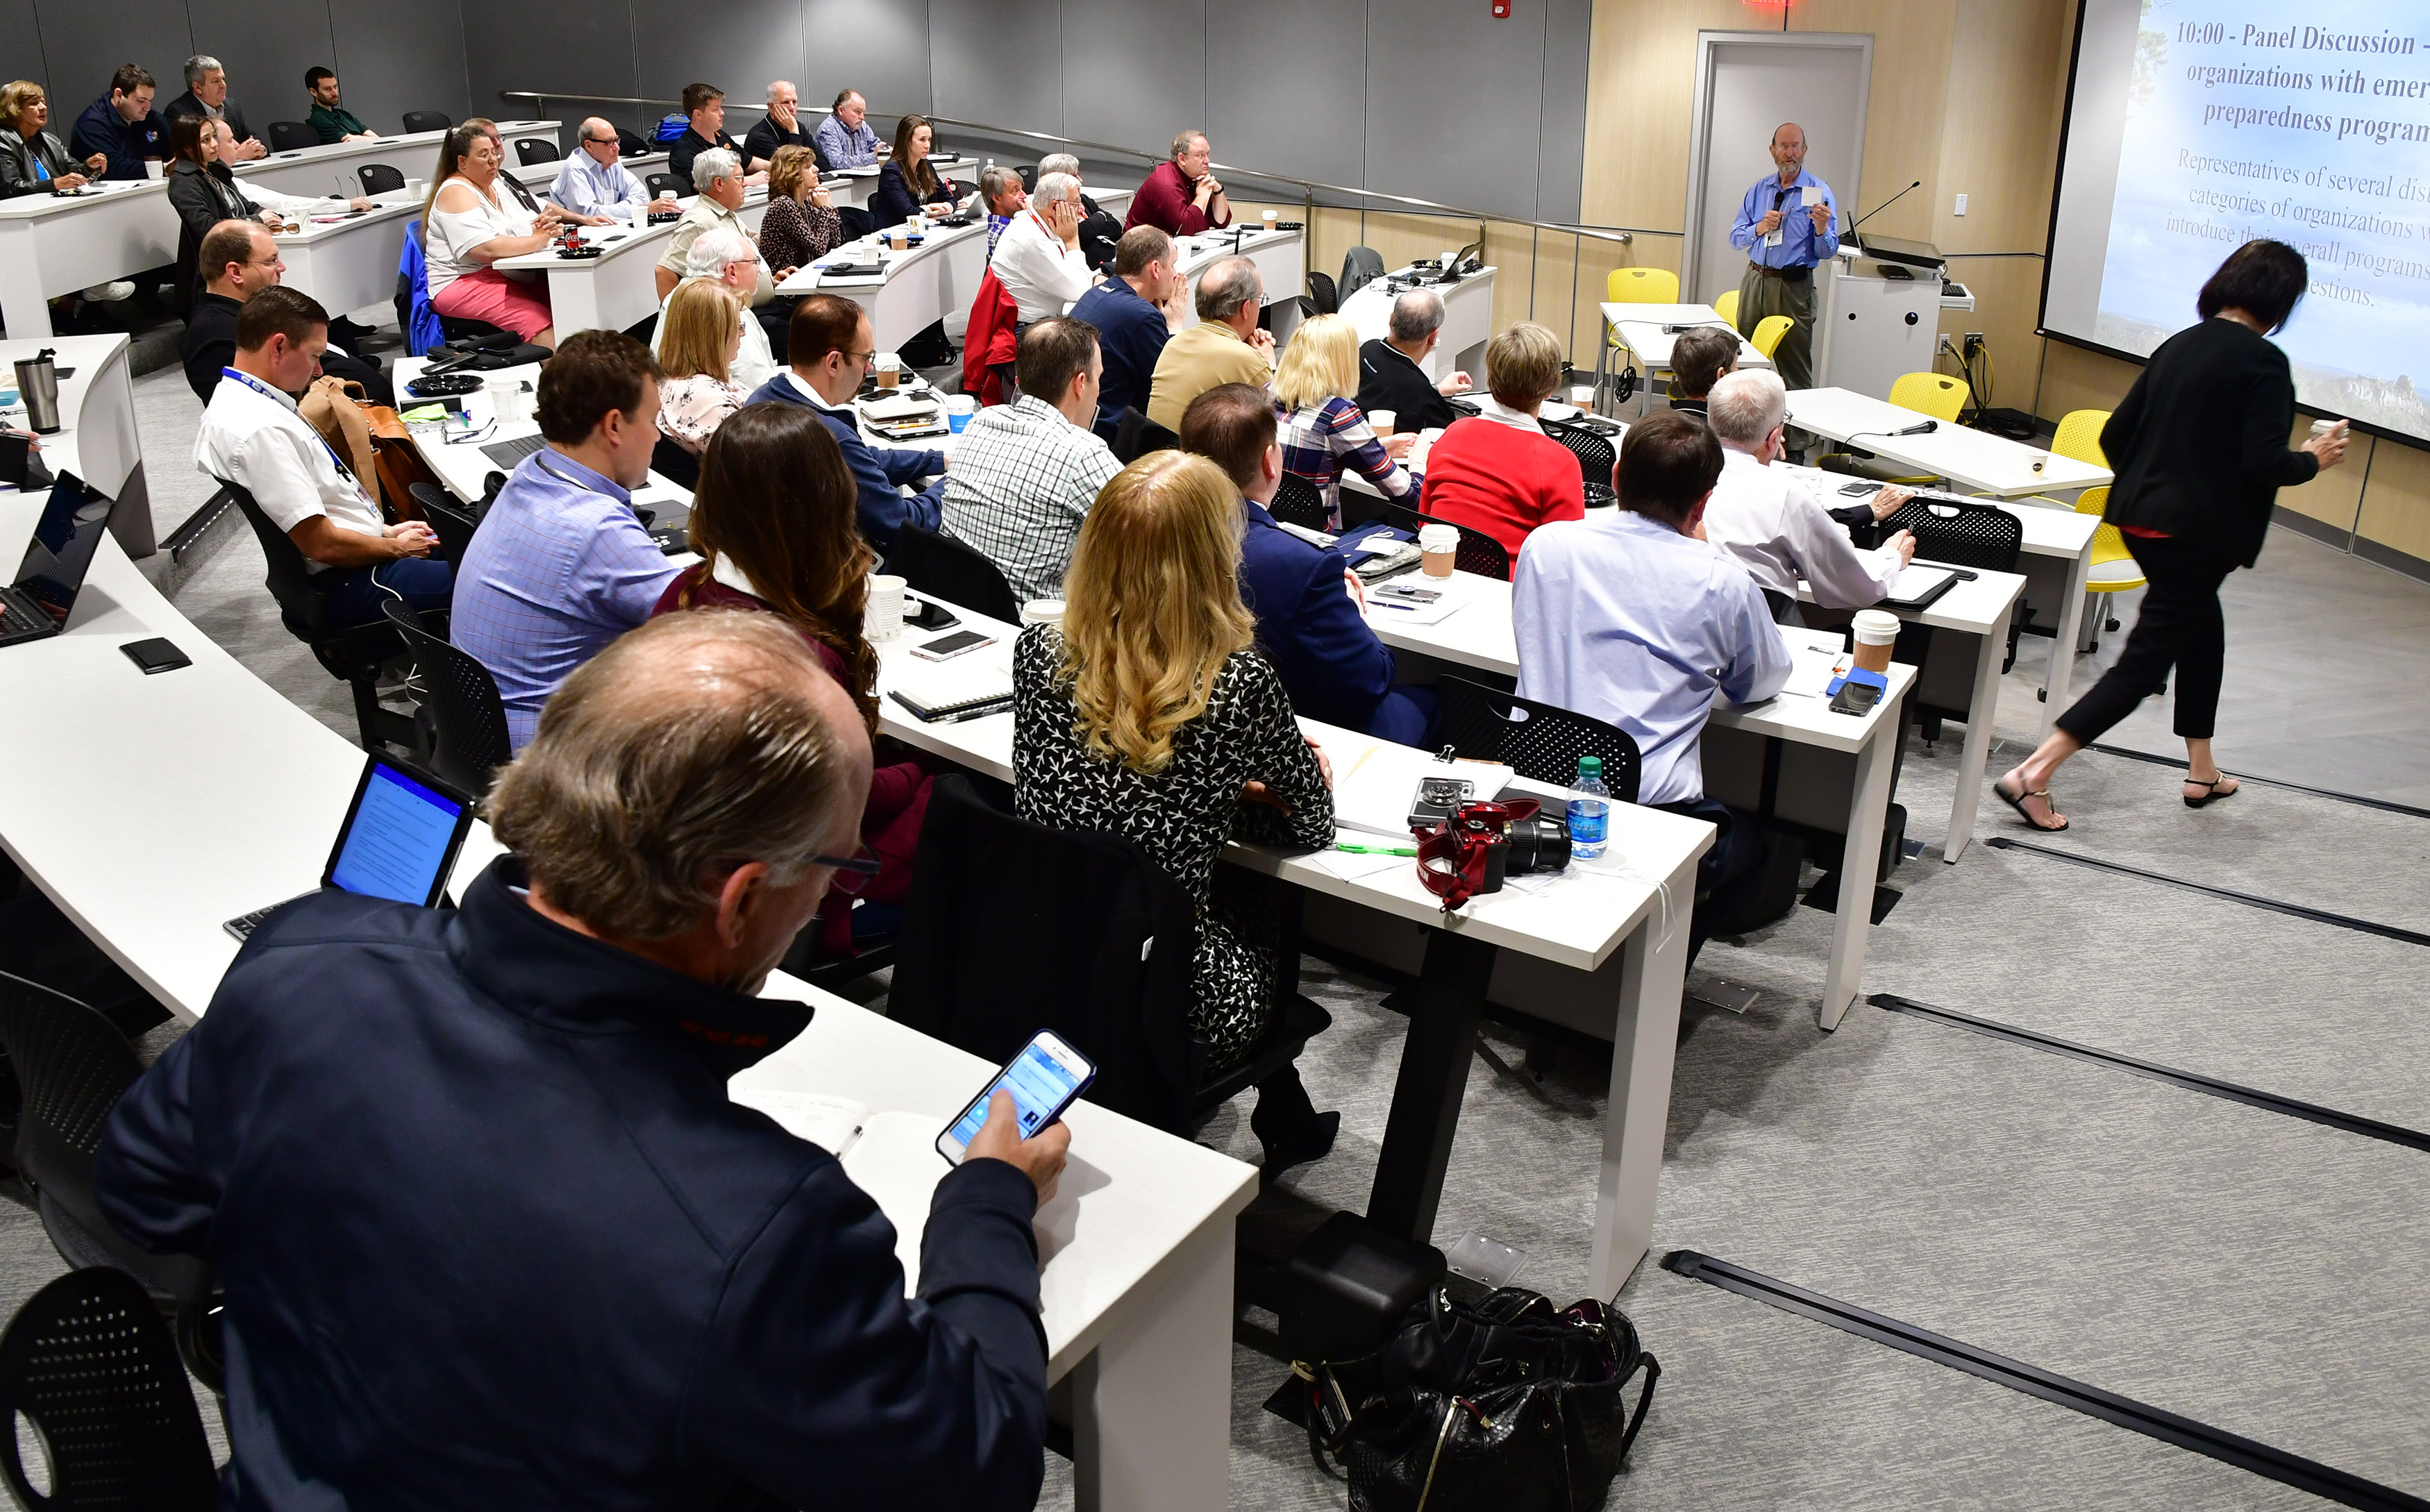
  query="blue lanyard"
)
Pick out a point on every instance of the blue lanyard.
point(268, 393)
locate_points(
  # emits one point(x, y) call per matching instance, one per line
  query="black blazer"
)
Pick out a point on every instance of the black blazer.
point(231, 113)
point(2199, 444)
point(894, 201)
point(1389, 380)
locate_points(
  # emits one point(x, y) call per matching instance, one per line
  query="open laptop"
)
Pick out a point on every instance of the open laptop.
point(36, 606)
point(399, 841)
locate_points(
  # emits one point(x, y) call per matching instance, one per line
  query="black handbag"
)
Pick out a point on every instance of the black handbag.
point(1504, 1407)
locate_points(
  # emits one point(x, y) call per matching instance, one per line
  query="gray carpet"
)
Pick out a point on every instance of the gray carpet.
point(2249, 1269)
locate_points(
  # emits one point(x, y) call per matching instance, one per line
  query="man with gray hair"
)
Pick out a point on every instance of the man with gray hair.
point(1225, 346)
point(1001, 191)
point(1391, 371)
point(596, 187)
point(718, 175)
point(1038, 258)
point(723, 255)
point(781, 127)
point(1770, 519)
point(516, 1148)
point(207, 94)
point(1099, 230)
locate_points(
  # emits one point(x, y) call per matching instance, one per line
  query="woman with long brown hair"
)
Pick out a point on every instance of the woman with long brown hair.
point(477, 216)
point(772, 520)
point(909, 182)
point(1149, 713)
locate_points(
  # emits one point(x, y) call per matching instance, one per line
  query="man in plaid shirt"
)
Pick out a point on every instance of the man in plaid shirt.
point(1024, 474)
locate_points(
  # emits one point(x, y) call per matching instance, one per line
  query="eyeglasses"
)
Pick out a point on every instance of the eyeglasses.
point(852, 872)
point(864, 358)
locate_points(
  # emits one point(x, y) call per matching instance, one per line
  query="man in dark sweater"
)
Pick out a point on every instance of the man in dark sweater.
point(1390, 376)
point(782, 126)
point(497, 1235)
point(1128, 310)
point(706, 105)
point(238, 260)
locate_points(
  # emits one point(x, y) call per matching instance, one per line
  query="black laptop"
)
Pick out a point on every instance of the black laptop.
point(36, 606)
point(399, 841)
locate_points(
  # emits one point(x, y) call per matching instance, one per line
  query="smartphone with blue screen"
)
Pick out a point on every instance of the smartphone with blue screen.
point(1044, 1079)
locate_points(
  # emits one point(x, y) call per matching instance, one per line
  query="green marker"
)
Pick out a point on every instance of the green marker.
point(1378, 850)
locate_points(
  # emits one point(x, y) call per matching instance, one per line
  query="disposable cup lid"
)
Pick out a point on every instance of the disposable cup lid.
point(1439, 538)
point(1876, 628)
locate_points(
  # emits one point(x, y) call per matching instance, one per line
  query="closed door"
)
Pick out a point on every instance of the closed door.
point(1748, 86)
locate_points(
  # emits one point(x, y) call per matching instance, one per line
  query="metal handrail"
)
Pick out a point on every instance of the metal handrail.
point(1309, 187)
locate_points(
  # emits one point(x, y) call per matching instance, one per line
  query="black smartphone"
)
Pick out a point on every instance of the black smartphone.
point(155, 655)
point(1858, 491)
point(933, 616)
point(1854, 697)
point(14, 449)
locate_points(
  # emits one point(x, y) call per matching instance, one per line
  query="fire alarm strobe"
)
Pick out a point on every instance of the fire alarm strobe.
point(1501, 10)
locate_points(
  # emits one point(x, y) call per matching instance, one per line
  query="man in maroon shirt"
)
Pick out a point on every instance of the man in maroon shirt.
point(1181, 197)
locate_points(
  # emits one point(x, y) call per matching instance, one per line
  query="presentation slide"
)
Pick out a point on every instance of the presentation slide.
point(2197, 125)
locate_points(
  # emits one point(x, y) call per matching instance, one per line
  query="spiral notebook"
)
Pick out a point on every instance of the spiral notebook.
point(965, 687)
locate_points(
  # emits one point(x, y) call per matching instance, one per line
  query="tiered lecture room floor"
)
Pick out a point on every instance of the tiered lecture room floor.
point(2243, 1268)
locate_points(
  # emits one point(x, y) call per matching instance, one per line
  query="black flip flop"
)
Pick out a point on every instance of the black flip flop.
point(2210, 794)
point(2017, 803)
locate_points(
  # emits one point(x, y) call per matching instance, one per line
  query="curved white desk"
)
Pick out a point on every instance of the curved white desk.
point(1468, 321)
point(347, 264)
point(1281, 258)
point(619, 289)
point(330, 169)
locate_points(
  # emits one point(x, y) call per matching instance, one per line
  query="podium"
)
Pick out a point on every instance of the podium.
point(1876, 314)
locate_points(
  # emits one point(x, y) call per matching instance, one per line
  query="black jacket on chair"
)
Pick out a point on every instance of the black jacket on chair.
point(1012, 927)
point(203, 197)
point(231, 113)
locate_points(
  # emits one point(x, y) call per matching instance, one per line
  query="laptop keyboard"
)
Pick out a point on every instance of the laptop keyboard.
point(15, 620)
point(243, 925)
point(506, 454)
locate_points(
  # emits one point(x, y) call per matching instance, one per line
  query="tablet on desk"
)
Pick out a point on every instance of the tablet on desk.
point(400, 841)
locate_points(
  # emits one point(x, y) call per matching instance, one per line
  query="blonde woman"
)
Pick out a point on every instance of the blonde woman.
point(1147, 714)
point(704, 332)
point(1323, 431)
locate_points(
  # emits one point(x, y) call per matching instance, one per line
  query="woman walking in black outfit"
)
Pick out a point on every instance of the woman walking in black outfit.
point(2200, 449)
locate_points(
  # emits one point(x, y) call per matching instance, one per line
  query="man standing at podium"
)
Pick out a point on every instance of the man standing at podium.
point(1787, 227)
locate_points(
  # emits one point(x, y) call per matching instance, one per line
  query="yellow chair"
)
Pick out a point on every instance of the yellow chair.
point(2079, 437)
point(1936, 394)
point(2108, 551)
point(1641, 286)
point(1768, 334)
point(1725, 305)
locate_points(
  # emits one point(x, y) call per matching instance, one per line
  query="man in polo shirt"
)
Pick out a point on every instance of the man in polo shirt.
point(122, 125)
point(718, 175)
point(1390, 376)
point(781, 127)
point(1182, 197)
point(331, 121)
point(1225, 346)
point(829, 348)
point(561, 565)
point(706, 105)
point(1029, 470)
point(252, 436)
point(1129, 311)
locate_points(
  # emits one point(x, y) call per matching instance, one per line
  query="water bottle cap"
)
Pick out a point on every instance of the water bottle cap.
point(1589, 766)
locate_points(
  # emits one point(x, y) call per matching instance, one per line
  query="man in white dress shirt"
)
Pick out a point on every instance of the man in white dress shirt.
point(1039, 259)
point(1770, 521)
point(725, 255)
point(1630, 617)
point(595, 183)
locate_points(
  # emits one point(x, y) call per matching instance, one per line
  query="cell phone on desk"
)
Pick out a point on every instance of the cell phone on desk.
point(945, 648)
point(1858, 491)
point(1044, 1079)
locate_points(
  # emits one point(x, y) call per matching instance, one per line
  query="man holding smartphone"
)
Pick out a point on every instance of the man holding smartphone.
point(496, 1235)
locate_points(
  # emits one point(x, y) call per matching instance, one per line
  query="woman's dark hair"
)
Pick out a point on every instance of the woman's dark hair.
point(776, 500)
point(923, 182)
point(2265, 280)
point(188, 136)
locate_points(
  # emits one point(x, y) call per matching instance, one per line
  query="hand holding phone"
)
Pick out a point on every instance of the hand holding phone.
point(1014, 1118)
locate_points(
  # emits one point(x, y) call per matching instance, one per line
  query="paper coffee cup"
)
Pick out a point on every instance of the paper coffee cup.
point(883, 621)
point(1042, 611)
point(959, 407)
point(2038, 461)
point(1269, 218)
point(1877, 631)
point(1440, 545)
point(1383, 420)
point(2321, 427)
point(1583, 396)
point(154, 167)
point(889, 370)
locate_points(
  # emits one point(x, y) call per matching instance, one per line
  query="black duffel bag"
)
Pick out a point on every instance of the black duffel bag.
point(1504, 1407)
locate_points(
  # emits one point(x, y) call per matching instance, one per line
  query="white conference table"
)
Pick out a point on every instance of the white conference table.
point(150, 809)
point(1468, 321)
point(1991, 465)
point(1281, 258)
point(1480, 633)
point(330, 169)
point(349, 263)
point(1639, 328)
point(619, 289)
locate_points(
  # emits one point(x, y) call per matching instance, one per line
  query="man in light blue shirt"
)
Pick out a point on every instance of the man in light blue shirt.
point(561, 565)
point(1632, 619)
point(1788, 226)
point(845, 137)
point(594, 184)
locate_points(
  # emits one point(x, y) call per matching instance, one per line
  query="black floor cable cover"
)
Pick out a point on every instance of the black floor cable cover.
point(2251, 900)
point(2383, 804)
point(2193, 1081)
point(2217, 1443)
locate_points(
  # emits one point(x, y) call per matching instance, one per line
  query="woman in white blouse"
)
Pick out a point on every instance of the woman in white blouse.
point(477, 217)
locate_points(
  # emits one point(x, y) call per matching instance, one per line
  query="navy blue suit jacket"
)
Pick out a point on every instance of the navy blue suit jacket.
point(1332, 665)
point(126, 142)
point(878, 471)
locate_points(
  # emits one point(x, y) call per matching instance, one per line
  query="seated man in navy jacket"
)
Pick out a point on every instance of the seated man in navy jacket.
point(122, 125)
point(491, 1231)
point(829, 347)
point(1129, 311)
point(1308, 622)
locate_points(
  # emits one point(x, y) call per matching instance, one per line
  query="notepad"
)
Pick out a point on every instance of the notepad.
point(951, 690)
point(1375, 782)
point(832, 1123)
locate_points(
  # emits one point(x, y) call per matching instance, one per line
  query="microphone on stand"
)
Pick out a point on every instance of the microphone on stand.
point(1883, 206)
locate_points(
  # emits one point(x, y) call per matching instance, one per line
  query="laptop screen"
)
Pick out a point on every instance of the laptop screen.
point(400, 840)
point(61, 551)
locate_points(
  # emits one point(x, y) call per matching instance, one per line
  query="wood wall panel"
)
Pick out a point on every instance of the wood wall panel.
point(2336, 496)
point(2396, 504)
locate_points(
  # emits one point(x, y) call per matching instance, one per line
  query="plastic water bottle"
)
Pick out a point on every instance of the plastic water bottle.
point(1590, 811)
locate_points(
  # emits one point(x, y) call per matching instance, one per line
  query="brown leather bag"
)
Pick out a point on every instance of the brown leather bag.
point(399, 462)
point(335, 410)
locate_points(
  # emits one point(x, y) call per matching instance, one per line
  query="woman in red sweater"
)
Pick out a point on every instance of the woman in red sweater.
point(774, 521)
point(1498, 472)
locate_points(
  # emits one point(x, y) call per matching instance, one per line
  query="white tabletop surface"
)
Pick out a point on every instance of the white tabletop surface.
point(1640, 326)
point(1978, 459)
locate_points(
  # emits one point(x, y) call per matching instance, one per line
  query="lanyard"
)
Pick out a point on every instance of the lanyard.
point(539, 460)
point(268, 393)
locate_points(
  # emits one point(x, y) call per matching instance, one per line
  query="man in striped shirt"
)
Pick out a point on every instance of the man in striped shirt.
point(1024, 474)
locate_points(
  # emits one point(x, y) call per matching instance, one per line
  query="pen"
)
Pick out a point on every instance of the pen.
point(1378, 850)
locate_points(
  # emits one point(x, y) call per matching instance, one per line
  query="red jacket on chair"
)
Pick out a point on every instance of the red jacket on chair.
point(991, 339)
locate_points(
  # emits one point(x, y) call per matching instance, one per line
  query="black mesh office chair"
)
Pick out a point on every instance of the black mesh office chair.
point(1541, 742)
point(630, 145)
point(427, 121)
point(934, 563)
point(1982, 536)
point(292, 136)
point(351, 655)
point(1135, 436)
point(1597, 459)
point(453, 523)
point(669, 184)
point(1323, 293)
point(71, 1065)
point(1299, 502)
point(88, 1363)
point(530, 150)
point(467, 715)
point(1478, 553)
point(380, 178)
point(1360, 266)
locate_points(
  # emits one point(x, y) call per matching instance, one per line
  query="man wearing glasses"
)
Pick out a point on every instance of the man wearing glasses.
point(828, 349)
point(595, 187)
point(237, 260)
point(1787, 227)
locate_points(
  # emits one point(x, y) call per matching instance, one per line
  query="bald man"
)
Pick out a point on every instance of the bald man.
point(597, 188)
point(1788, 226)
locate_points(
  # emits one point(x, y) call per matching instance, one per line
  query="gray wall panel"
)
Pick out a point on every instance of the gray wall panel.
point(265, 45)
point(1562, 146)
point(1133, 74)
point(390, 60)
point(1451, 103)
point(1000, 62)
point(1286, 86)
point(754, 40)
point(881, 50)
point(79, 52)
point(585, 45)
